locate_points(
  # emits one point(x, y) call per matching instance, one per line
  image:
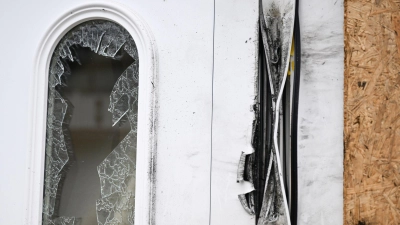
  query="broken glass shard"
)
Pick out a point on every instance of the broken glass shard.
point(90, 159)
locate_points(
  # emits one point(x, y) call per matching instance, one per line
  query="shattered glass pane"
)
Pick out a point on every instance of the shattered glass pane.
point(91, 127)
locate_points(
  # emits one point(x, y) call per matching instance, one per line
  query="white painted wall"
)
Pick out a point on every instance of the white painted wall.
point(235, 70)
point(320, 156)
point(188, 191)
point(184, 33)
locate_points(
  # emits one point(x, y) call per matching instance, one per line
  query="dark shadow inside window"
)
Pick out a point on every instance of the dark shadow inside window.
point(89, 131)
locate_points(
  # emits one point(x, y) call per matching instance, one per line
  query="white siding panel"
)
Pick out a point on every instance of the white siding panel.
point(235, 70)
point(320, 155)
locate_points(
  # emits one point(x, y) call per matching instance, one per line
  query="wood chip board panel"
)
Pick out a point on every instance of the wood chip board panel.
point(372, 112)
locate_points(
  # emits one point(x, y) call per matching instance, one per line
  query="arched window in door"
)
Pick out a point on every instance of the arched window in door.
point(90, 160)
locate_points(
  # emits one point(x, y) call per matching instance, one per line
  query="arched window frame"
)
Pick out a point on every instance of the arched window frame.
point(147, 106)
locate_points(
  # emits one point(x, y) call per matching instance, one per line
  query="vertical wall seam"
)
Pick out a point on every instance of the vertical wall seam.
point(212, 112)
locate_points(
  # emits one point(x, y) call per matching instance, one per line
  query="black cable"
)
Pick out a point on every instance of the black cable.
point(258, 175)
point(295, 112)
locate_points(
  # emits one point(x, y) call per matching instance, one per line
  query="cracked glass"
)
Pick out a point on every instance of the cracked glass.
point(91, 126)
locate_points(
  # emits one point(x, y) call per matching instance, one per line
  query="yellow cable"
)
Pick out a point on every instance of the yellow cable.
point(291, 63)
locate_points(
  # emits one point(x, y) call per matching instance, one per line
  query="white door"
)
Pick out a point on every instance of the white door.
point(175, 44)
point(197, 66)
point(184, 48)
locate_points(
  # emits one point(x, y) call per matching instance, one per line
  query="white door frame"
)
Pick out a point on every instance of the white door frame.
point(147, 118)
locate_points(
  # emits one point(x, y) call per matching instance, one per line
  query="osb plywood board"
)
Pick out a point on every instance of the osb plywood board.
point(372, 112)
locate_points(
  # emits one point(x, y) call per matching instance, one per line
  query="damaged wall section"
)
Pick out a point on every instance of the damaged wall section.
point(265, 167)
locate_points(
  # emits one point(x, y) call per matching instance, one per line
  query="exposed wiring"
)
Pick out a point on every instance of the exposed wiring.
point(276, 147)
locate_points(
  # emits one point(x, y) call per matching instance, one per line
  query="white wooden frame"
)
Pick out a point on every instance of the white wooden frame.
point(146, 138)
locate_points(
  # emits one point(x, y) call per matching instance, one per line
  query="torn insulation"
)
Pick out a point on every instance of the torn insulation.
point(241, 167)
point(246, 205)
point(245, 173)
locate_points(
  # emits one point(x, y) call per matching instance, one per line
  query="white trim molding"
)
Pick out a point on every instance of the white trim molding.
point(147, 110)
